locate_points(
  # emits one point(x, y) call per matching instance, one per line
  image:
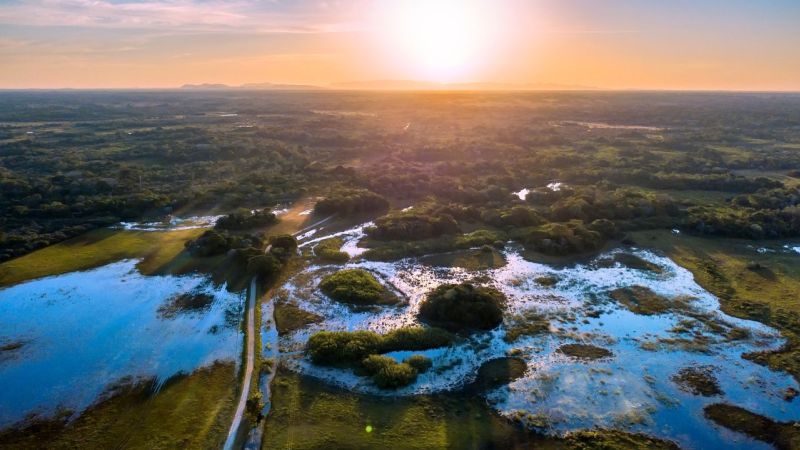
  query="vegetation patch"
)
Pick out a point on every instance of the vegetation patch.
point(387, 373)
point(460, 307)
point(528, 323)
point(97, 248)
point(187, 302)
point(547, 280)
point(642, 300)
point(498, 372)
point(485, 258)
point(329, 251)
point(289, 317)
point(783, 435)
point(307, 414)
point(356, 287)
point(698, 380)
point(634, 262)
point(351, 201)
point(347, 348)
point(720, 266)
point(616, 440)
point(413, 225)
point(185, 411)
point(246, 219)
point(584, 351)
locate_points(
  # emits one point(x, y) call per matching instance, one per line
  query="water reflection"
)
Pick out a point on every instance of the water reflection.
point(84, 331)
point(632, 389)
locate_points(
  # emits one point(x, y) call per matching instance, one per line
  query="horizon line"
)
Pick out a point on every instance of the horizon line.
point(315, 88)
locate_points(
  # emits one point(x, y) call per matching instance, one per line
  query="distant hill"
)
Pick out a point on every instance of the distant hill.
point(394, 85)
point(253, 86)
point(413, 85)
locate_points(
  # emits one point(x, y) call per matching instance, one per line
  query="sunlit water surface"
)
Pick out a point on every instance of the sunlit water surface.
point(82, 332)
point(631, 390)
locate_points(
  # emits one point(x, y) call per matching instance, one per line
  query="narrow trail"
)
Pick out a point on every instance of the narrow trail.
point(253, 439)
point(248, 371)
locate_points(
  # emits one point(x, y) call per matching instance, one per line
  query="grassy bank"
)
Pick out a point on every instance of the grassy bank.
point(749, 284)
point(190, 411)
point(307, 414)
point(97, 248)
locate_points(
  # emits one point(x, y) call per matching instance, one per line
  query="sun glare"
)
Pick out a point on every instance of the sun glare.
point(437, 40)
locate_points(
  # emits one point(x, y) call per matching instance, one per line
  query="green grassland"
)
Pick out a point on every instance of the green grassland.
point(751, 285)
point(97, 248)
point(307, 414)
point(189, 411)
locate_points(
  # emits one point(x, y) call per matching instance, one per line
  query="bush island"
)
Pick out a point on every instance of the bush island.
point(342, 347)
point(415, 338)
point(395, 376)
point(350, 347)
point(420, 363)
point(463, 306)
point(356, 286)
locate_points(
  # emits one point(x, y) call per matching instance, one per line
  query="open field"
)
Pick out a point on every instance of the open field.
point(97, 248)
point(187, 411)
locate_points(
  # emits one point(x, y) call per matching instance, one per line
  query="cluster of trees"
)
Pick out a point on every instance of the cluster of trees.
point(460, 307)
point(745, 222)
point(246, 219)
point(123, 157)
point(412, 225)
point(352, 201)
point(219, 242)
point(336, 348)
point(387, 373)
point(569, 237)
point(246, 250)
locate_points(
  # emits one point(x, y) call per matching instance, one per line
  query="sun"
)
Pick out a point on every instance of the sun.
point(437, 40)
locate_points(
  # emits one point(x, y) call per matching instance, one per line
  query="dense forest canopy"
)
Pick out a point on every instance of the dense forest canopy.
point(709, 163)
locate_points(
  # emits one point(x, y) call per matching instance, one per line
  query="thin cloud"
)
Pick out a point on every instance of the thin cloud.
point(180, 15)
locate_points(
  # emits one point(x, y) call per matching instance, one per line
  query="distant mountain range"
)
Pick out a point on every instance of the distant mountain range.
point(253, 86)
point(396, 85)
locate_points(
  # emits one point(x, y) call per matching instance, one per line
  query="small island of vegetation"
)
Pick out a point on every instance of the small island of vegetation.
point(356, 287)
point(461, 307)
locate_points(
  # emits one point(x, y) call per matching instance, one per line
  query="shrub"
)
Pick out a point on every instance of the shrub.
point(415, 338)
point(264, 266)
point(395, 376)
point(342, 347)
point(348, 348)
point(373, 364)
point(283, 241)
point(328, 250)
point(463, 306)
point(420, 363)
point(356, 286)
point(243, 219)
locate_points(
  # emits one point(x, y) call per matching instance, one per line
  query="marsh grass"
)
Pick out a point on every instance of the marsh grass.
point(96, 248)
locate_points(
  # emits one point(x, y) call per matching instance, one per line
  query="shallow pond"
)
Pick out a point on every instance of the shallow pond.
point(633, 389)
point(69, 338)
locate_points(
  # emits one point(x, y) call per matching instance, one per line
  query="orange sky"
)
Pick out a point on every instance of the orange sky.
point(614, 44)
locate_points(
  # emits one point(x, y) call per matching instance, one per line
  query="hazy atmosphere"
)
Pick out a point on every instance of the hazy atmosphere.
point(511, 44)
point(402, 225)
